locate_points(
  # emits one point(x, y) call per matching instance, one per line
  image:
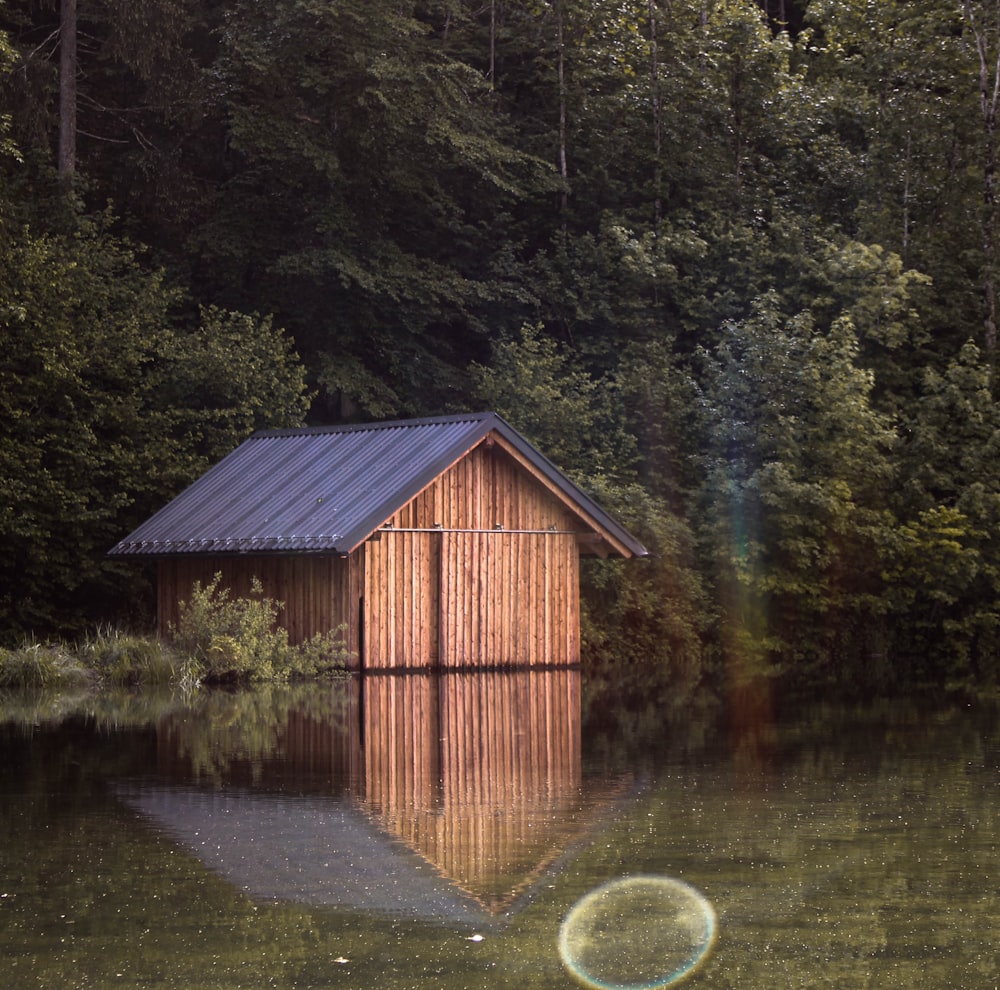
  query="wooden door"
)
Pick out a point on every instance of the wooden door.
point(402, 600)
point(509, 599)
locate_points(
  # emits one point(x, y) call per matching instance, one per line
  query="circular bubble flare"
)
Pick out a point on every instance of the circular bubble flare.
point(637, 933)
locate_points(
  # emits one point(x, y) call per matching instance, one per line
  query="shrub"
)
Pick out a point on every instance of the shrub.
point(323, 654)
point(234, 639)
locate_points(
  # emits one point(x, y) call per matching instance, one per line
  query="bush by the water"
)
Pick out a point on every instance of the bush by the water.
point(218, 638)
point(237, 639)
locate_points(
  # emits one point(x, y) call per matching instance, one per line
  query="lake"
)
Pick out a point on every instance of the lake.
point(420, 830)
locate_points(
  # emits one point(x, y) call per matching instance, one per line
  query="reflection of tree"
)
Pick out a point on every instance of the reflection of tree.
point(857, 855)
point(251, 737)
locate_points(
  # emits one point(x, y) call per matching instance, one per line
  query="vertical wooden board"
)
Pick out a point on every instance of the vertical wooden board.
point(355, 619)
point(402, 600)
point(395, 596)
point(168, 594)
point(522, 601)
point(573, 585)
point(448, 644)
point(423, 607)
point(466, 599)
point(370, 582)
point(405, 610)
point(457, 608)
point(500, 550)
point(499, 595)
point(387, 596)
point(375, 606)
point(289, 587)
point(557, 615)
point(489, 548)
point(483, 593)
point(411, 609)
point(461, 605)
point(454, 608)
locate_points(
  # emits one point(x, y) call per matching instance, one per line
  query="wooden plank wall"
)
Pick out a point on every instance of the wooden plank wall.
point(319, 592)
point(510, 599)
point(402, 595)
point(480, 592)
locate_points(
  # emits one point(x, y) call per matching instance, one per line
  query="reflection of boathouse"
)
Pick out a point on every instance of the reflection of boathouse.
point(445, 542)
point(480, 774)
point(431, 792)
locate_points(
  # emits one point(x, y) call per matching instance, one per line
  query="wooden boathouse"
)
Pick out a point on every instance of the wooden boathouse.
point(448, 542)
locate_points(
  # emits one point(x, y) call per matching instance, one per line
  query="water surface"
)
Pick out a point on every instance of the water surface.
point(435, 831)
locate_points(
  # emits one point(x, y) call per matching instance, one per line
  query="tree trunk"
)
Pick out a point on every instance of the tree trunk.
point(563, 166)
point(67, 90)
point(657, 125)
point(493, 44)
point(989, 95)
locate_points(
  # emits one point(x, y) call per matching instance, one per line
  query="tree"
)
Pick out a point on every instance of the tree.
point(946, 566)
point(901, 87)
point(67, 89)
point(111, 402)
point(369, 193)
point(647, 614)
point(116, 94)
point(985, 27)
point(796, 462)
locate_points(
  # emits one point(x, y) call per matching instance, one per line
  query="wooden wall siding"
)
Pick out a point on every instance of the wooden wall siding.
point(510, 599)
point(473, 594)
point(402, 599)
point(471, 599)
point(320, 592)
point(480, 773)
point(486, 488)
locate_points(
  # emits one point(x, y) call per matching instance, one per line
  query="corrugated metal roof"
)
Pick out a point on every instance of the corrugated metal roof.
point(327, 489)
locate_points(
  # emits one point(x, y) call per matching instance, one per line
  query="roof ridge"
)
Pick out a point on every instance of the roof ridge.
point(294, 431)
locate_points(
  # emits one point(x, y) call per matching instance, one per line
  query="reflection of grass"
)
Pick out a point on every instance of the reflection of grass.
point(218, 730)
point(34, 706)
point(244, 724)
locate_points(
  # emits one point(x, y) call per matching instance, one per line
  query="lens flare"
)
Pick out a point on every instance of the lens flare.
point(637, 933)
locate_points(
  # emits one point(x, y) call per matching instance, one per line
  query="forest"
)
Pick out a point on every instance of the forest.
point(732, 264)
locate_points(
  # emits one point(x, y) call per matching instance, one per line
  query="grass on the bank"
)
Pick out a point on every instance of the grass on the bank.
point(218, 639)
point(41, 665)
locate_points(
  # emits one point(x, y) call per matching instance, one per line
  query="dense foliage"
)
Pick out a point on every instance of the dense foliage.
point(732, 263)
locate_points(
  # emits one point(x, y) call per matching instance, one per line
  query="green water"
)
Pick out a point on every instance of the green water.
point(276, 839)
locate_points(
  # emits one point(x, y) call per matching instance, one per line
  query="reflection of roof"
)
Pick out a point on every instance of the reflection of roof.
point(306, 849)
point(327, 489)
